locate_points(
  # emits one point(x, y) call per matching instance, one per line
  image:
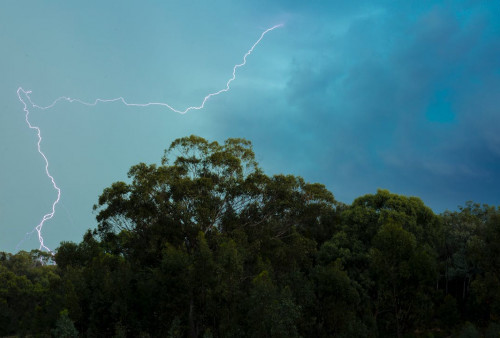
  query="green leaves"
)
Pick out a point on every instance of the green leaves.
point(206, 244)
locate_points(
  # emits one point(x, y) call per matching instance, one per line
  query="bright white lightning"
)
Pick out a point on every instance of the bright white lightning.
point(27, 93)
point(51, 214)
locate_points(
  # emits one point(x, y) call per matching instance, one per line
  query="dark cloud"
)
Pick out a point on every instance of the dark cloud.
point(405, 98)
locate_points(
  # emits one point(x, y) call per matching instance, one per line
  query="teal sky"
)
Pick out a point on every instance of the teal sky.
point(356, 95)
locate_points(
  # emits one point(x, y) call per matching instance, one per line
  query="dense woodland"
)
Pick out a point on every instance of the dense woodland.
point(207, 245)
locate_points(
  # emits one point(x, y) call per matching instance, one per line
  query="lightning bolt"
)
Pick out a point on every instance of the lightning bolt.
point(51, 214)
point(31, 104)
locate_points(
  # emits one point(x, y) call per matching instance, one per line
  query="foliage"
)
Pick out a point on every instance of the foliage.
point(64, 327)
point(206, 245)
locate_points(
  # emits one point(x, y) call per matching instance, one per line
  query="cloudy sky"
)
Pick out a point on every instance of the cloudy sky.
point(357, 95)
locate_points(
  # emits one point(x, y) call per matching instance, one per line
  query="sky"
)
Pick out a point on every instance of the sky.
point(357, 95)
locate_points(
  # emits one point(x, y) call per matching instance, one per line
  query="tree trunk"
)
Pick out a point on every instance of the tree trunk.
point(463, 290)
point(192, 329)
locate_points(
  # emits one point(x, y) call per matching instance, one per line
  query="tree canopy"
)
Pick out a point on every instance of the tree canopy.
point(205, 244)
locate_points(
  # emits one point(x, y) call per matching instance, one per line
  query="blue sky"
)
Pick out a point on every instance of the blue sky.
point(356, 95)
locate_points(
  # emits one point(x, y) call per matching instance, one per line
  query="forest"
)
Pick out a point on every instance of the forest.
point(205, 244)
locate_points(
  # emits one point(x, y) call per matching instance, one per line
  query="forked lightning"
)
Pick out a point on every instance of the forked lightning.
point(24, 97)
